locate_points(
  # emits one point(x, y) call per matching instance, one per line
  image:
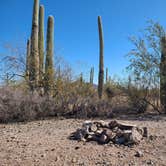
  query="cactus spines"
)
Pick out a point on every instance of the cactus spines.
point(163, 74)
point(41, 42)
point(101, 59)
point(49, 70)
point(91, 75)
point(106, 78)
point(34, 56)
point(28, 58)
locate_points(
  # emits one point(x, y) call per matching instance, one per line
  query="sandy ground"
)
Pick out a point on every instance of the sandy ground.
point(46, 143)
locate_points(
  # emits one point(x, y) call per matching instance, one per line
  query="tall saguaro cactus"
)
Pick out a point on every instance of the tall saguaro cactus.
point(49, 70)
point(41, 42)
point(34, 56)
point(163, 74)
point(28, 58)
point(101, 59)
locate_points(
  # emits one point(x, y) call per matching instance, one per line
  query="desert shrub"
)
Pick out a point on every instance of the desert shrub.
point(138, 99)
point(80, 100)
point(112, 89)
point(90, 108)
point(16, 105)
point(73, 101)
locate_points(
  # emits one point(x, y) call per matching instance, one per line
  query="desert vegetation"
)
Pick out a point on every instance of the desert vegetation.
point(51, 116)
point(38, 89)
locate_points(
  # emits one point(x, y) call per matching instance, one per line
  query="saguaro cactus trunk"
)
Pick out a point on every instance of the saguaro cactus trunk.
point(49, 70)
point(91, 75)
point(28, 59)
point(106, 78)
point(41, 42)
point(81, 78)
point(163, 74)
point(101, 59)
point(34, 56)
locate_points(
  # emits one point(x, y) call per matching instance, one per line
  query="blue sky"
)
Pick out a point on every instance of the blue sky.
point(76, 31)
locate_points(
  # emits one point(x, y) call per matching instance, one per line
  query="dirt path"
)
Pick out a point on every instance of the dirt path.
point(46, 143)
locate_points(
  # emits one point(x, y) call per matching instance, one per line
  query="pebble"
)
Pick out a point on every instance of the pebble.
point(77, 147)
point(150, 162)
point(74, 160)
point(139, 154)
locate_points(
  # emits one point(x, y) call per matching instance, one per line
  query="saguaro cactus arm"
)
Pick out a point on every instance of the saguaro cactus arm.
point(28, 58)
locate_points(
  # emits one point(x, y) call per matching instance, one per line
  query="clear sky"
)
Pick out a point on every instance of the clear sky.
point(76, 31)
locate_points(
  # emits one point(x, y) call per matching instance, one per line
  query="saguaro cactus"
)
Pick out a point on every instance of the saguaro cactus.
point(49, 70)
point(81, 78)
point(163, 74)
point(41, 42)
point(101, 59)
point(59, 72)
point(106, 78)
point(91, 75)
point(34, 56)
point(28, 58)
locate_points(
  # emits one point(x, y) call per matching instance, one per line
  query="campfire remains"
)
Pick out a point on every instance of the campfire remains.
point(110, 132)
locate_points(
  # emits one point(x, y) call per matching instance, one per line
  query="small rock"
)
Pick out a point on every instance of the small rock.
point(139, 154)
point(42, 155)
point(152, 137)
point(74, 160)
point(150, 162)
point(145, 132)
point(56, 158)
point(77, 147)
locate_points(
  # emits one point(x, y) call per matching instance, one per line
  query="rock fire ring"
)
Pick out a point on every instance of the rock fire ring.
point(110, 132)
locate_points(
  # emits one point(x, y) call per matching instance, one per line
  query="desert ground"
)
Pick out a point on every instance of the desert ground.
point(46, 142)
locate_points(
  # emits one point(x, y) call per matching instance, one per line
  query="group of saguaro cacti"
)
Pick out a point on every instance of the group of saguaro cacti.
point(35, 73)
point(163, 74)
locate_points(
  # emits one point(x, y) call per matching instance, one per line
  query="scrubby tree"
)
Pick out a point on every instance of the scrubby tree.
point(145, 61)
